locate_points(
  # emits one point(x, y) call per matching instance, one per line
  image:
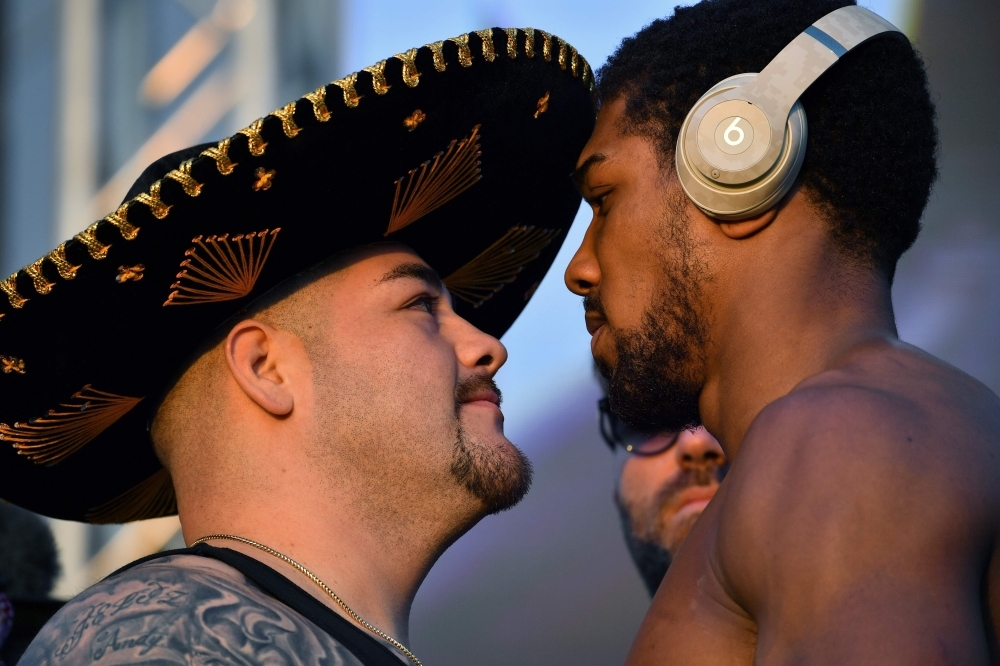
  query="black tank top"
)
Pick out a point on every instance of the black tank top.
point(368, 650)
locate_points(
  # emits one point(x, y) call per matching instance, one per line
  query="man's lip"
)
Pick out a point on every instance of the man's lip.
point(594, 322)
point(696, 494)
point(483, 396)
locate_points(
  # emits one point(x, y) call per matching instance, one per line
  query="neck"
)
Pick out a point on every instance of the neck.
point(788, 323)
point(372, 556)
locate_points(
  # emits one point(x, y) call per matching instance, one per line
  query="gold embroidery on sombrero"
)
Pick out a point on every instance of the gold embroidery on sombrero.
point(119, 218)
point(34, 271)
point(96, 248)
point(318, 99)
point(351, 97)
point(130, 273)
point(214, 271)
point(546, 45)
point(464, 52)
point(50, 439)
point(499, 264)
point(153, 498)
point(529, 42)
point(286, 115)
point(588, 75)
point(255, 142)
point(437, 49)
point(543, 105)
point(411, 76)
point(11, 364)
point(221, 156)
point(264, 177)
point(414, 119)
point(9, 287)
point(379, 83)
point(152, 199)
point(182, 175)
point(436, 182)
point(562, 52)
point(67, 271)
point(574, 61)
point(489, 52)
point(511, 42)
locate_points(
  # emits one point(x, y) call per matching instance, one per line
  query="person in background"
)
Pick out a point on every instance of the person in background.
point(664, 482)
point(29, 566)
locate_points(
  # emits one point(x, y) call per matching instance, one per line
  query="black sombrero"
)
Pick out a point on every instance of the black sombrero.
point(461, 149)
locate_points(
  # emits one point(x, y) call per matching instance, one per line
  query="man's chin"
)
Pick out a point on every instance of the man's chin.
point(680, 525)
point(492, 469)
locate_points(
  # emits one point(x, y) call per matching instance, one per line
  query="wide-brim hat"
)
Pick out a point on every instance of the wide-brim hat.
point(461, 150)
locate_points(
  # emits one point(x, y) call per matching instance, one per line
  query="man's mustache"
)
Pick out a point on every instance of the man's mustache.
point(592, 303)
point(702, 475)
point(470, 386)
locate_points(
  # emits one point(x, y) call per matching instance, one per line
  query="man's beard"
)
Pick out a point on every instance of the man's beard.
point(651, 551)
point(498, 476)
point(651, 559)
point(655, 383)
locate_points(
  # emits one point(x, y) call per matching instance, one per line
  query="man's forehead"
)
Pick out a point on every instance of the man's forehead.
point(386, 263)
point(607, 132)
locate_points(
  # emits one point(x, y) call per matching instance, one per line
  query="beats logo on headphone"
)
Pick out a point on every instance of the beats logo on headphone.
point(742, 145)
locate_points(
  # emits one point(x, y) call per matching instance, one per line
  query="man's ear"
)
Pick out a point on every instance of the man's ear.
point(255, 357)
point(745, 228)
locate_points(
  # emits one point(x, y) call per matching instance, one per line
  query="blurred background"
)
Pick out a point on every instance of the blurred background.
point(91, 91)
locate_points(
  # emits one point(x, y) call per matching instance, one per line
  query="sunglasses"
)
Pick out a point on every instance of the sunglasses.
point(618, 435)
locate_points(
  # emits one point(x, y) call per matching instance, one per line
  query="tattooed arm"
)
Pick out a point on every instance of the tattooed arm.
point(181, 610)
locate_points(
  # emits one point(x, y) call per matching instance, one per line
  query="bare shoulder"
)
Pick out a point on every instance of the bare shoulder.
point(886, 464)
point(181, 610)
point(860, 514)
point(888, 405)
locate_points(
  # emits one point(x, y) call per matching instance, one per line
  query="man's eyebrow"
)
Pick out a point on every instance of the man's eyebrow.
point(581, 171)
point(415, 271)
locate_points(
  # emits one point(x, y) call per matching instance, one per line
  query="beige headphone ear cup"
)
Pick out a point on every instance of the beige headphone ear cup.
point(737, 202)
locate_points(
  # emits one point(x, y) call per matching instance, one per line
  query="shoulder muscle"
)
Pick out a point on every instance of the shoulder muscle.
point(181, 610)
point(838, 520)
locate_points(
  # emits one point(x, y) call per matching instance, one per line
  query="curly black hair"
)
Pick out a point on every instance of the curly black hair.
point(872, 148)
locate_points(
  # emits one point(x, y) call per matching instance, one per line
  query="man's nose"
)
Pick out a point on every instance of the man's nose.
point(583, 273)
point(698, 449)
point(479, 351)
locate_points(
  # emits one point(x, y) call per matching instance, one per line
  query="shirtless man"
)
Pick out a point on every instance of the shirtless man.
point(293, 347)
point(858, 521)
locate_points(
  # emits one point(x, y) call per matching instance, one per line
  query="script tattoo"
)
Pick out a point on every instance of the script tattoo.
point(181, 610)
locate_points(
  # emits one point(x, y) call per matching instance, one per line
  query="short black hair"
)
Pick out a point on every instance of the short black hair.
point(871, 155)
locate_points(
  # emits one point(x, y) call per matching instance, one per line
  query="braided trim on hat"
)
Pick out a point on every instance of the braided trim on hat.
point(567, 58)
point(318, 99)
point(411, 76)
point(286, 115)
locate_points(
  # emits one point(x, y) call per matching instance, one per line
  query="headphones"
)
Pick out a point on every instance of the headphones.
point(742, 145)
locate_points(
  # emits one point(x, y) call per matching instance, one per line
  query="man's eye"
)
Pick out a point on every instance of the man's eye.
point(598, 202)
point(426, 303)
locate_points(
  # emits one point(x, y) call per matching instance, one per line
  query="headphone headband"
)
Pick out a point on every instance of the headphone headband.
point(779, 85)
point(743, 143)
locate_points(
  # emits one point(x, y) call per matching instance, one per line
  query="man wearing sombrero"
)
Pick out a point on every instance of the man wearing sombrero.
point(259, 339)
